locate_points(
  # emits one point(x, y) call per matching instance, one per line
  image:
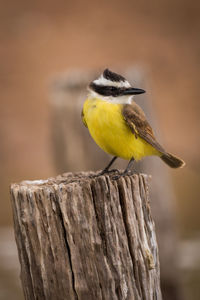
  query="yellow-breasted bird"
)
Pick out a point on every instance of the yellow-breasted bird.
point(118, 125)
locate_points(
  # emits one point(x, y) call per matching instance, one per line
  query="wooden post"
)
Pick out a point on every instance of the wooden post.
point(85, 237)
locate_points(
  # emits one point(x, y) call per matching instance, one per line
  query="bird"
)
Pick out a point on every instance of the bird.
point(118, 125)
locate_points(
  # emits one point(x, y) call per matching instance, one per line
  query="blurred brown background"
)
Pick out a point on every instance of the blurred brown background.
point(40, 39)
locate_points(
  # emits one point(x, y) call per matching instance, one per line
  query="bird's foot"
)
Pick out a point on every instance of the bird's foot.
point(128, 173)
point(107, 172)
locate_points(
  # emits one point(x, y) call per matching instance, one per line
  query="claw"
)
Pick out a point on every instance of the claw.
point(116, 177)
point(108, 172)
point(129, 173)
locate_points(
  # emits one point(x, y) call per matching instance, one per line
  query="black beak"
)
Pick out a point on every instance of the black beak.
point(133, 91)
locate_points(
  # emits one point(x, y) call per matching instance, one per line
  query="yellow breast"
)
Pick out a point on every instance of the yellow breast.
point(109, 130)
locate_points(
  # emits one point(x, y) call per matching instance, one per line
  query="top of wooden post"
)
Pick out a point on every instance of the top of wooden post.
point(69, 178)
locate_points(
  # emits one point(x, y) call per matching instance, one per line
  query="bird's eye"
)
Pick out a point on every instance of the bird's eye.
point(105, 90)
point(113, 89)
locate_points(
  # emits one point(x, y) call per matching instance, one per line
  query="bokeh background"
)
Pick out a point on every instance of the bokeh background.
point(41, 39)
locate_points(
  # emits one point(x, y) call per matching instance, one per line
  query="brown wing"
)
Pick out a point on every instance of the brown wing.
point(136, 120)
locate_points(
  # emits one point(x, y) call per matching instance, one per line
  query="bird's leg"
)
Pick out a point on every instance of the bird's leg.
point(106, 170)
point(128, 168)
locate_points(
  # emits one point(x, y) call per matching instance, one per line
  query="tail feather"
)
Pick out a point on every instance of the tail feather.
point(172, 161)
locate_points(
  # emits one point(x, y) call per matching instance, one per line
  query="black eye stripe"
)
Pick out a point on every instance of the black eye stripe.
point(107, 90)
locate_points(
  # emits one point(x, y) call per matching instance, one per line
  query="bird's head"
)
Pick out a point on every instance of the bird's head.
point(113, 87)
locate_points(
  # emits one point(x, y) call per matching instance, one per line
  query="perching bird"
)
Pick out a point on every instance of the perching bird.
point(118, 125)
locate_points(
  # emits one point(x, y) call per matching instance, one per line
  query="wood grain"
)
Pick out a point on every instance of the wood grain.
point(85, 237)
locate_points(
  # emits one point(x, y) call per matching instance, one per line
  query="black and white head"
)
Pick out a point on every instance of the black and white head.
point(113, 87)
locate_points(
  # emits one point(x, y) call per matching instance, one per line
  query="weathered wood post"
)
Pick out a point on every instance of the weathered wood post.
point(85, 237)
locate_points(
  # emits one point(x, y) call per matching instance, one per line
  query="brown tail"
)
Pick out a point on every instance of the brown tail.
point(172, 161)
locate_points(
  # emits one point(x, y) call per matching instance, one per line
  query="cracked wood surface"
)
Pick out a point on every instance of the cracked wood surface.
point(85, 237)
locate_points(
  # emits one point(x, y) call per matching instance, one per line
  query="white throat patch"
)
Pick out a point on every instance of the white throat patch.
point(111, 99)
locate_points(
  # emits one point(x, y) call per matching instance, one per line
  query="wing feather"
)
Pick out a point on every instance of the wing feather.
point(136, 121)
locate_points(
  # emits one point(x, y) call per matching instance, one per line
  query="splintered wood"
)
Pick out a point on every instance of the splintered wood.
point(85, 237)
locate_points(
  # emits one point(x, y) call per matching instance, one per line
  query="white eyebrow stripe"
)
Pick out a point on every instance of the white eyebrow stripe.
point(103, 81)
